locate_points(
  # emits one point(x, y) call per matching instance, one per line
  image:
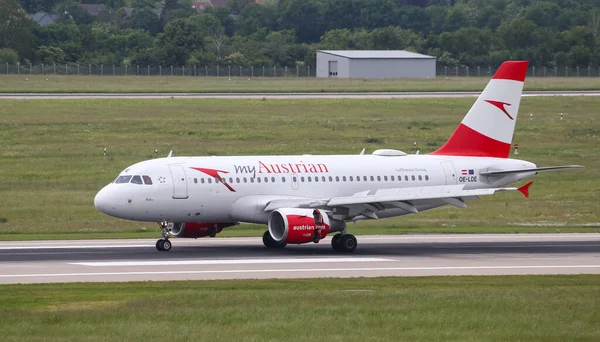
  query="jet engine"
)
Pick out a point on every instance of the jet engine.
point(293, 225)
point(196, 229)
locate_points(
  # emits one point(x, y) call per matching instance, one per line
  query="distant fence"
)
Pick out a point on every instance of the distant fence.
point(238, 71)
point(157, 70)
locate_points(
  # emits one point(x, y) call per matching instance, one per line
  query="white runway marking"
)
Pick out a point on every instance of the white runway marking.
point(226, 262)
point(361, 269)
point(72, 247)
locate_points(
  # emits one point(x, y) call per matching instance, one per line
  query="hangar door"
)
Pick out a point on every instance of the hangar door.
point(333, 69)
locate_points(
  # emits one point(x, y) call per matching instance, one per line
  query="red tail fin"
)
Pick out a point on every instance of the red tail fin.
point(488, 127)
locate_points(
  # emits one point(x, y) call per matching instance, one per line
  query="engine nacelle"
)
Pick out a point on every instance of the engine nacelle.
point(196, 229)
point(294, 225)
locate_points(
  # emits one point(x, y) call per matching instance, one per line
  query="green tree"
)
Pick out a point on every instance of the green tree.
point(256, 17)
point(279, 45)
point(235, 58)
point(9, 56)
point(305, 17)
point(337, 39)
point(16, 28)
point(50, 55)
point(144, 19)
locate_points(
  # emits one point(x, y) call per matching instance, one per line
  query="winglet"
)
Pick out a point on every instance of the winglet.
point(525, 189)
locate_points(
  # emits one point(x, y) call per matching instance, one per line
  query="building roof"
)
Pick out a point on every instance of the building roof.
point(387, 54)
point(43, 18)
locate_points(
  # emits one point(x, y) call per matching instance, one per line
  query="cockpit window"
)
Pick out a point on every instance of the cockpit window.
point(147, 180)
point(123, 179)
point(136, 180)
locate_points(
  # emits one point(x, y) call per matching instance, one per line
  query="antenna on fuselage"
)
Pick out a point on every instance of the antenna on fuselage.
point(170, 154)
point(362, 152)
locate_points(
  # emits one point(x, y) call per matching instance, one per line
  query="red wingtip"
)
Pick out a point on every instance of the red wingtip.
point(525, 189)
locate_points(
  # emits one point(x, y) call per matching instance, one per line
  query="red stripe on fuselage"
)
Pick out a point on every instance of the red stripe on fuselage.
point(469, 143)
point(512, 70)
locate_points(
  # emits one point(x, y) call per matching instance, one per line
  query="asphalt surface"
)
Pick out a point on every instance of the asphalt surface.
point(344, 95)
point(243, 258)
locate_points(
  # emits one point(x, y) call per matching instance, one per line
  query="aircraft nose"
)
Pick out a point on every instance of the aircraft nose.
point(102, 201)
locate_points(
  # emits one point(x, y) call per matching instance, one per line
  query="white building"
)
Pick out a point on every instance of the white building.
point(374, 64)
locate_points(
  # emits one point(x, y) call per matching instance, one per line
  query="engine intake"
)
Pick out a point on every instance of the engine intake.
point(292, 225)
point(196, 229)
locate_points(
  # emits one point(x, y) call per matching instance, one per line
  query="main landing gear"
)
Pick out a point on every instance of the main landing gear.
point(344, 243)
point(163, 245)
point(270, 243)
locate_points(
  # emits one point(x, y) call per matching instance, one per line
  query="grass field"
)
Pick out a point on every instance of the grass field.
point(110, 84)
point(513, 308)
point(51, 160)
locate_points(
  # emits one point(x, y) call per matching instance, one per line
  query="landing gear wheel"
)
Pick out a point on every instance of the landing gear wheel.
point(335, 242)
point(346, 244)
point(163, 245)
point(270, 243)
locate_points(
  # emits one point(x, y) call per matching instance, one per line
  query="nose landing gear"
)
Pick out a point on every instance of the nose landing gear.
point(163, 245)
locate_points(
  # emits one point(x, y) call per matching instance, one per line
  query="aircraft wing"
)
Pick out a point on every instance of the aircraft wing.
point(368, 202)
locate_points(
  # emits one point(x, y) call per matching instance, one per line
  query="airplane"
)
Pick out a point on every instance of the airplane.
point(303, 198)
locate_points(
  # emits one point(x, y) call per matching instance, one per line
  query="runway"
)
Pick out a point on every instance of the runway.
point(245, 258)
point(275, 96)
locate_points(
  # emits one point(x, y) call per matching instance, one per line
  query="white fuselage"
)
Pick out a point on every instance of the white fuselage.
point(237, 189)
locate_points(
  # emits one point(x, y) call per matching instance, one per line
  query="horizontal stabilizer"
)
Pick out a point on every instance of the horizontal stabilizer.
point(538, 169)
point(525, 189)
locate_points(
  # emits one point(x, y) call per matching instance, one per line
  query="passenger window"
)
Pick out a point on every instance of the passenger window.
point(196, 180)
point(379, 178)
point(273, 179)
point(216, 180)
point(426, 177)
point(230, 180)
point(309, 179)
point(302, 179)
point(392, 178)
point(365, 178)
point(351, 178)
point(420, 178)
point(294, 179)
point(266, 180)
point(202, 180)
point(358, 178)
point(337, 178)
point(372, 178)
point(123, 179)
point(413, 177)
point(385, 178)
point(147, 180)
point(344, 178)
point(251, 180)
point(237, 180)
point(323, 179)
point(258, 179)
point(282, 179)
point(210, 181)
point(406, 178)
point(245, 180)
point(137, 180)
point(317, 179)
point(330, 179)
